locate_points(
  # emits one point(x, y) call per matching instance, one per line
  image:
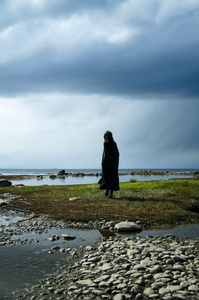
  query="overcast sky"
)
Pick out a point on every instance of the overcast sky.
point(72, 69)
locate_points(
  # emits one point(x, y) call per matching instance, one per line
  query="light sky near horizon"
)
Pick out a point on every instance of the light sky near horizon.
point(71, 69)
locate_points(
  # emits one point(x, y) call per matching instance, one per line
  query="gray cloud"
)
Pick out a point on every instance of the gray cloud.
point(70, 70)
point(131, 53)
point(66, 131)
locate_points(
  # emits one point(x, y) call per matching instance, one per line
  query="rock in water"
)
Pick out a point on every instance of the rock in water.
point(62, 172)
point(67, 237)
point(5, 182)
point(127, 226)
point(52, 176)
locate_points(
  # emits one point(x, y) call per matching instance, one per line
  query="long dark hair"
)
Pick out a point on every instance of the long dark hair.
point(108, 137)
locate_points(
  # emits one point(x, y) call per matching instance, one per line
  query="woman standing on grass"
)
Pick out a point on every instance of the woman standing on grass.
point(110, 163)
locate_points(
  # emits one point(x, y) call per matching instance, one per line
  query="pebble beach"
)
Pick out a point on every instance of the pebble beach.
point(121, 267)
point(127, 268)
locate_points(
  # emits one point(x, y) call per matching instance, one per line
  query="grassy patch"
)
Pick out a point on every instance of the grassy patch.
point(155, 202)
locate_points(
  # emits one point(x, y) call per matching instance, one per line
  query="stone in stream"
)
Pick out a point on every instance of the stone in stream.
point(54, 237)
point(67, 237)
point(127, 227)
point(120, 268)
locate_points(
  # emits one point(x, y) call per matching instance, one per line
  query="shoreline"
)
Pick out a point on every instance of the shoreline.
point(119, 267)
point(82, 174)
point(125, 268)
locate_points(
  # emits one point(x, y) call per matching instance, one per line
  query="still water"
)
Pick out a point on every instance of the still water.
point(91, 179)
point(68, 180)
point(23, 266)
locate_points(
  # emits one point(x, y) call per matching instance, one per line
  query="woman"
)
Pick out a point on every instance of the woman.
point(110, 163)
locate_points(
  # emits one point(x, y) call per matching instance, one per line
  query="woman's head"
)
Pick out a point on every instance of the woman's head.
point(108, 137)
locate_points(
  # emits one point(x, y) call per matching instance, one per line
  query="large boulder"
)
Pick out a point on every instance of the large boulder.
point(127, 226)
point(5, 182)
point(62, 172)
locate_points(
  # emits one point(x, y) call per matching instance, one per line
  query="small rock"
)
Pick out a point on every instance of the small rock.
point(67, 237)
point(193, 288)
point(74, 198)
point(163, 291)
point(52, 176)
point(85, 282)
point(119, 297)
point(105, 267)
point(174, 288)
point(54, 237)
point(18, 185)
point(148, 291)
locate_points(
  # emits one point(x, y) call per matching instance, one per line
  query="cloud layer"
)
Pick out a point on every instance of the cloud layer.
point(56, 131)
point(106, 47)
point(69, 70)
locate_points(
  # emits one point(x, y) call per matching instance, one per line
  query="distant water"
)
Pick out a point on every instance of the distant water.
point(89, 179)
point(86, 171)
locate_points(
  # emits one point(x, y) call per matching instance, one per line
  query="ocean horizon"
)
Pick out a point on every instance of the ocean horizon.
point(44, 171)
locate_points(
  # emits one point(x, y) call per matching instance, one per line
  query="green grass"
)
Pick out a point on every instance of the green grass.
point(154, 202)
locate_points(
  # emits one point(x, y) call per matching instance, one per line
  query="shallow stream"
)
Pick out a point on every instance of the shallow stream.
point(24, 265)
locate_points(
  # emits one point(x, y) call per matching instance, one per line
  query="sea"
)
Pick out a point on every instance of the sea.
point(72, 180)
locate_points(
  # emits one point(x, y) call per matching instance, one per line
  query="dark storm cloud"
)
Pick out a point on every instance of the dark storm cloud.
point(165, 134)
point(136, 74)
point(104, 47)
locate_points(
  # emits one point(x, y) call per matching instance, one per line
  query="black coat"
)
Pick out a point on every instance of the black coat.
point(110, 163)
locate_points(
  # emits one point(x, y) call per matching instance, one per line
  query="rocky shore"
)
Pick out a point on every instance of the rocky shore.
point(12, 233)
point(127, 268)
point(63, 174)
point(119, 267)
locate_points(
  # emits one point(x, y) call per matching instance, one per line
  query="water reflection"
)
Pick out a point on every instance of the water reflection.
point(70, 180)
point(33, 261)
point(183, 231)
